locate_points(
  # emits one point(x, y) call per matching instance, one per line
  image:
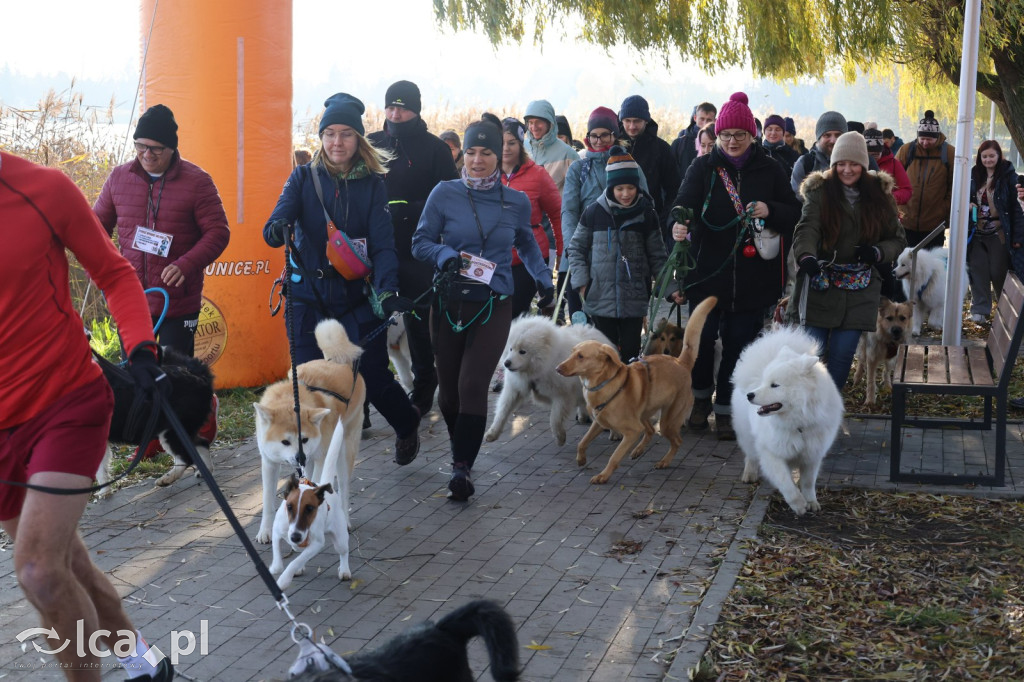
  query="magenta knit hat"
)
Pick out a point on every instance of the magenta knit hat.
point(736, 114)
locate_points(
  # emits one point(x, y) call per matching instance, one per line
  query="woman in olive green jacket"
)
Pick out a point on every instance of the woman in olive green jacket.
point(848, 227)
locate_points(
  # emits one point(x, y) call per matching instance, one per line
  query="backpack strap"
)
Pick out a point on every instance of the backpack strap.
point(808, 161)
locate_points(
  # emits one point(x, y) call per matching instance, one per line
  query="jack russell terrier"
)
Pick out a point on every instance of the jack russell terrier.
point(306, 519)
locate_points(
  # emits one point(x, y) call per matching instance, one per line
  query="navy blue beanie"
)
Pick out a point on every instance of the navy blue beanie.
point(343, 109)
point(635, 106)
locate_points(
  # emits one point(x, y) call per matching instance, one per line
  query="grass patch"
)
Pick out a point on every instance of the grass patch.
point(877, 586)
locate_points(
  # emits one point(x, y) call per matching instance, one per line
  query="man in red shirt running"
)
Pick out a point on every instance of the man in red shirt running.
point(55, 410)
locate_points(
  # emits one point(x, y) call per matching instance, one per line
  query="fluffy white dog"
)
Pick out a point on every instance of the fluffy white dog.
point(535, 347)
point(929, 294)
point(786, 412)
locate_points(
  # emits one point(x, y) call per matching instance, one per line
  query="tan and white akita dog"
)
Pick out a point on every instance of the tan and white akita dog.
point(330, 391)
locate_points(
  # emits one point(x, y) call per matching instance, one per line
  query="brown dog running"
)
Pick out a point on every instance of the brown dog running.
point(624, 398)
point(878, 348)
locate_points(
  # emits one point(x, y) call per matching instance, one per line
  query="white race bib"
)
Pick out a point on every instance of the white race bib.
point(151, 241)
point(477, 268)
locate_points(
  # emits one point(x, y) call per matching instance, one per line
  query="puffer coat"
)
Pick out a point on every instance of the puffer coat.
point(616, 259)
point(187, 206)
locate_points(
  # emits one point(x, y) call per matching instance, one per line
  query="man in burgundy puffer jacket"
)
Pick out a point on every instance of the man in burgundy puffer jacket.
point(170, 223)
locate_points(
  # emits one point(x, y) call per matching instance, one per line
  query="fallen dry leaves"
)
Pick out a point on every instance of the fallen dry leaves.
point(878, 586)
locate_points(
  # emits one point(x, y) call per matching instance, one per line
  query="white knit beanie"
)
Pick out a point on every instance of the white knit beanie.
point(850, 147)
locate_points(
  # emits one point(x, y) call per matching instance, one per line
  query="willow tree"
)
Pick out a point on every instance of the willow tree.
point(780, 39)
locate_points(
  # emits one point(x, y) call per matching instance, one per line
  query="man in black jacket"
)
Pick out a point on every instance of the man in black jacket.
point(684, 147)
point(652, 153)
point(421, 161)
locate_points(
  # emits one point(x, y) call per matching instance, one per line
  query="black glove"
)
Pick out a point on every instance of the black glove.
point(396, 304)
point(809, 266)
point(868, 254)
point(547, 297)
point(278, 230)
point(148, 374)
point(452, 265)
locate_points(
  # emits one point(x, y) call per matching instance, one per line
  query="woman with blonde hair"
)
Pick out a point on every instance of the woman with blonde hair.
point(340, 190)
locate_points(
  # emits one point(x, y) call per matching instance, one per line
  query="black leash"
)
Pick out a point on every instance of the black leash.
point(300, 456)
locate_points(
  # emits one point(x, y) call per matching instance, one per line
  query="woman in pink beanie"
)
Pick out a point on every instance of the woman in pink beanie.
point(731, 191)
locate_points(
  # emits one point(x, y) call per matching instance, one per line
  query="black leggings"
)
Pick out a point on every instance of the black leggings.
point(624, 333)
point(466, 359)
point(525, 290)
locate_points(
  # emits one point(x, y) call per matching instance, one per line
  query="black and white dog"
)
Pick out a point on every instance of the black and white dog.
point(436, 652)
point(191, 396)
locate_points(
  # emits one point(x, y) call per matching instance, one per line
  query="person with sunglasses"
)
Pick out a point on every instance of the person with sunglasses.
point(170, 223)
point(584, 183)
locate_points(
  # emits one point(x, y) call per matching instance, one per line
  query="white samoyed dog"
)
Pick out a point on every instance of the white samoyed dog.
point(929, 295)
point(535, 347)
point(786, 412)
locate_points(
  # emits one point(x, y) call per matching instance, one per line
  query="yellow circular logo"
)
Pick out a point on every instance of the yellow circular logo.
point(211, 334)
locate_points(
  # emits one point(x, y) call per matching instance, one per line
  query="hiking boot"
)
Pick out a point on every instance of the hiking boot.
point(698, 420)
point(366, 416)
point(723, 427)
point(407, 448)
point(460, 488)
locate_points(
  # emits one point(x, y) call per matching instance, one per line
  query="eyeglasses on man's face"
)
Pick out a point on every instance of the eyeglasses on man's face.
point(739, 137)
point(155, 150)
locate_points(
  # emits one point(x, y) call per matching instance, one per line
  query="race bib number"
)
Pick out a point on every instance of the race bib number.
point(151, 241)
point(477, 268)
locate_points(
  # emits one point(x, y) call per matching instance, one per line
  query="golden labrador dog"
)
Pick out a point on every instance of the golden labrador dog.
point(624, 398)
point(878, 348)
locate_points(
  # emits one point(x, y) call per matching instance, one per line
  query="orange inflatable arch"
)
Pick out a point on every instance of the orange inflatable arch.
point(225, 69)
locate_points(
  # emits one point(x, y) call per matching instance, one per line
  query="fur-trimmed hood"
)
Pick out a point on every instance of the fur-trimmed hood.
point(814, 181)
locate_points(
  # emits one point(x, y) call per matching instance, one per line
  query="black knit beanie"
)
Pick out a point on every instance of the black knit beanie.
point(158, 124)
point(405, 94)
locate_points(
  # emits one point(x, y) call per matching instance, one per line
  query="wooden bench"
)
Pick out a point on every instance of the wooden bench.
point(960, 370)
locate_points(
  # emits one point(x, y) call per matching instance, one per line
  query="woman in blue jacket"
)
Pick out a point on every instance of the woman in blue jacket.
point(346, 167)
point(468, 230)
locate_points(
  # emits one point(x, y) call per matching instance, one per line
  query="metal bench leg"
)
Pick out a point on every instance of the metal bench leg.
point(899, 398)
point(1001, 442)
point(988, 411)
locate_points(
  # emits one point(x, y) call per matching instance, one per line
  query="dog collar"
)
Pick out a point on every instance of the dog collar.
point(606, 381)
point(598, 408)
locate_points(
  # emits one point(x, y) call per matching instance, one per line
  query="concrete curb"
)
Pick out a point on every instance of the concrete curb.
point(695, 637)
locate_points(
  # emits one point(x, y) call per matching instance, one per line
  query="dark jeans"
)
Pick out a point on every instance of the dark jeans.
point(382, 391)
point(624, 333)
point(838, 346)
point(737, 330)
point(421, 354)
point(179, 332)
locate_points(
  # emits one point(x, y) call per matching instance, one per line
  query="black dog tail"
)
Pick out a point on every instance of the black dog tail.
point(486, 619)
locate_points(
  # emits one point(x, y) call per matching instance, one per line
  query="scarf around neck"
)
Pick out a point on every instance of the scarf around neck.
point(626, 212)
point(481, 184)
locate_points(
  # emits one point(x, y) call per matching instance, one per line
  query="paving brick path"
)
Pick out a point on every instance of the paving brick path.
point(613, 582)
